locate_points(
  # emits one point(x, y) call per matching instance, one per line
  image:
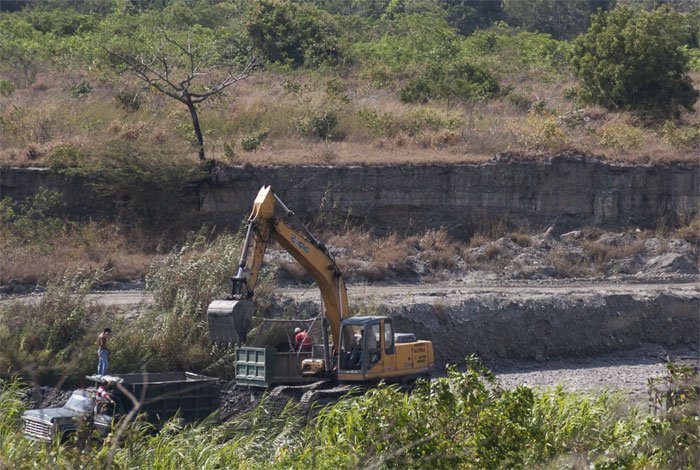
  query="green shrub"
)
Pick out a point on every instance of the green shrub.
point(539, 106)
point(452, 82)
point(37, 218)
point(128, 100)
point(571, 93)
point(520, 101)
point(682, 136)
point(64, 156)
point(426, 118)
point(633, 60)
point(418, 90)
point(292, 33)
point(379, 124)
point(621, 137)
point(693, 58)
point(560, 19)
point(22, 49)
point(291, 86)
point(408, 42)
point(503, 49)
point(320, 123)
point(337, 88)
point(62, 21)
point(7, 87)
point(81, 90)
point(251, 142)
point(230, 151)
point(542, 133)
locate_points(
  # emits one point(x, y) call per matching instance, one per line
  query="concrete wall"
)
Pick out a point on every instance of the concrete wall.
point(565, 190)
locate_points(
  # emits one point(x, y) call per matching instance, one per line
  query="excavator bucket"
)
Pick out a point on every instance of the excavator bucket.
point(229, 320)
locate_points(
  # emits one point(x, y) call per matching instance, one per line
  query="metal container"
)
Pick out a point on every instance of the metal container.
point(264, 367)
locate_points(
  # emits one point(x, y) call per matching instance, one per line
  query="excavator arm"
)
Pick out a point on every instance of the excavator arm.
point(229, 319)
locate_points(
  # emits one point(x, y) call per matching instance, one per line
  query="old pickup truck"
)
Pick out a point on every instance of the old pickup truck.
point(160, 396)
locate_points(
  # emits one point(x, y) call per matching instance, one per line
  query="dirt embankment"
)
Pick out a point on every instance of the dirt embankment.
point(531, 320)
point(583, 335)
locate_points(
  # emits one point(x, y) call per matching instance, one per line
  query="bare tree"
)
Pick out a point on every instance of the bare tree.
point(178, 68)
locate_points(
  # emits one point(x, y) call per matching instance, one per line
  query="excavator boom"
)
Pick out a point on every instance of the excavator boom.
point(229, 319)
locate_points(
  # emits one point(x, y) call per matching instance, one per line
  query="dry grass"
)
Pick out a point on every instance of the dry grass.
point(600, 253)
point(521, 239)
point(363, 256)
point(88, 248)
point(690, 232)
point(375, 258)
point(568, 264)
point(373, 127)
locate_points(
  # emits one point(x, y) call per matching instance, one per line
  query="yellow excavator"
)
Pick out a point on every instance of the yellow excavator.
point(361, 349)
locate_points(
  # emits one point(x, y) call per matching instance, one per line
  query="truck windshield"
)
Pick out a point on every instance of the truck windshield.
point(80, 401)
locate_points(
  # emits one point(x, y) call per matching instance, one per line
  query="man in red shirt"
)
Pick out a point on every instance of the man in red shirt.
point(302, 340)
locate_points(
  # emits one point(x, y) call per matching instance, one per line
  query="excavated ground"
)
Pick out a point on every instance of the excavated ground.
point(615, 330)
point(583, 335)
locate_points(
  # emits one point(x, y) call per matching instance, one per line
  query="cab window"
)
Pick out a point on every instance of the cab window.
point(388, 337)
point(374, 345)
point(351, 347)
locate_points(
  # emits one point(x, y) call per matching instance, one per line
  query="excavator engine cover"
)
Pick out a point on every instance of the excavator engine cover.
point(229, 320)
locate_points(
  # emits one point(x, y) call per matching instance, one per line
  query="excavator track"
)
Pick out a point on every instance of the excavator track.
point(320, 393)
point(295, 392)
point(325, 396)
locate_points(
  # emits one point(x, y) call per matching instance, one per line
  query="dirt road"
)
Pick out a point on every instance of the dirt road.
point(454, 292)
point(402, 294)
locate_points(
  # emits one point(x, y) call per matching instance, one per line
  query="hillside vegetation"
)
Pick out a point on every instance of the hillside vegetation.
point(146, 98)
point(87, 84)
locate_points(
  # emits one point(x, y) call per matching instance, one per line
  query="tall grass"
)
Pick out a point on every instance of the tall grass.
point(52, 340)
point(464, 420)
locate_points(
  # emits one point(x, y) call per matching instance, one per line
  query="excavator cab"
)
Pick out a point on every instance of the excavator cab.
point(370, 350)
point(362, 348)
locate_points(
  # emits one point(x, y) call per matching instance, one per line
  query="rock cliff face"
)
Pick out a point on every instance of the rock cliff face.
point(566, 190)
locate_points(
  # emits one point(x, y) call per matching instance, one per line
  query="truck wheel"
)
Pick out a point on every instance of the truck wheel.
point(66, 436)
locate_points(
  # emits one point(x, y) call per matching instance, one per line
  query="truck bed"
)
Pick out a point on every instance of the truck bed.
point(163, 394)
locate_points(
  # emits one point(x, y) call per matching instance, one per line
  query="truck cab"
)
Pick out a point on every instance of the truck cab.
point(46, 424)
point(159, 396)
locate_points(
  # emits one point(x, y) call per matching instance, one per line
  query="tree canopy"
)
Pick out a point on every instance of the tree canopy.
point(635, 60)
